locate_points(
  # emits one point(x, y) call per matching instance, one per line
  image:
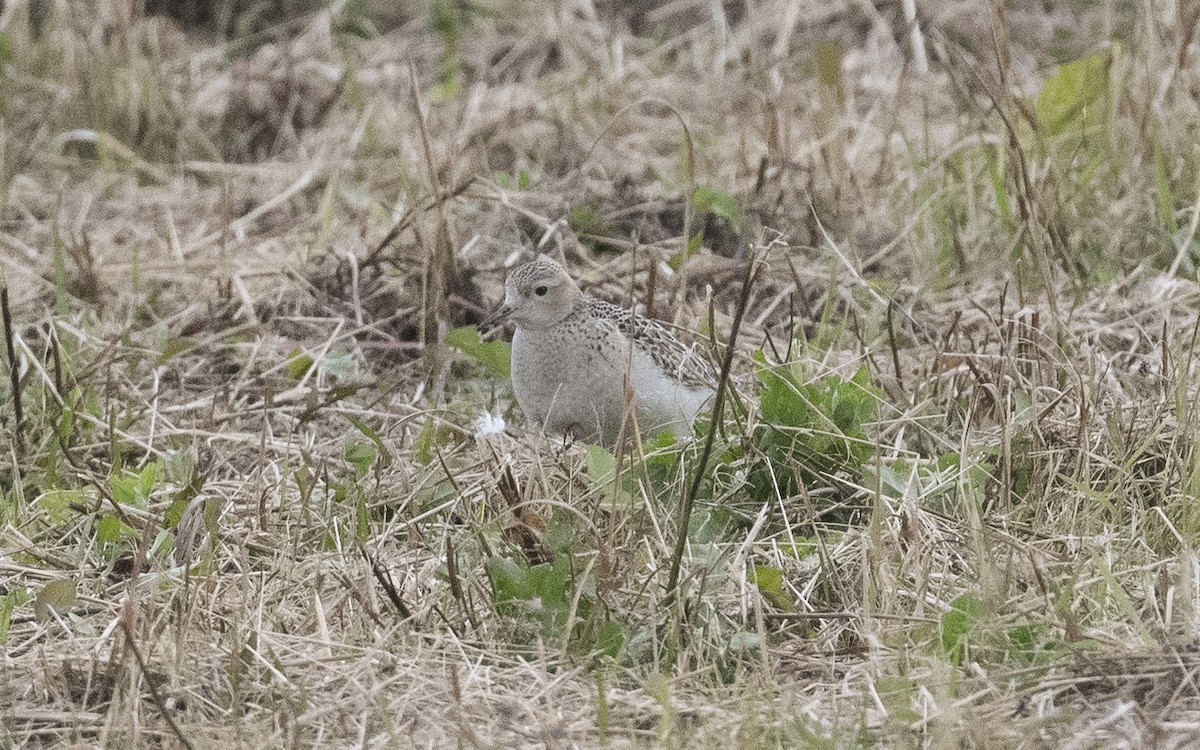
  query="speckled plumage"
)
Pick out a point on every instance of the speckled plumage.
point(573, 354)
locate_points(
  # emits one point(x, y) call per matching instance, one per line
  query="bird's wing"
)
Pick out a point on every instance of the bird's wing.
point(687, 363)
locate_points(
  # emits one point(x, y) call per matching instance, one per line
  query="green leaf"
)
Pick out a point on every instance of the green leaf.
point(426, 442)
point(552, 586)
point(959, 625)
point(298, 364)
point(359, 455)
point(58, 504)
point(559, 534)
point(146, 481)
point(601, 465)
point(1022, 641)
point(56, 597)
point(111, 530)
point(602, 471)
point(584, 219)
point(510, 580)
point(385, 457)
point(769, 582)
point(540, 594)
point(710, 201)
point(134, 489)
point(174, 511)
point(178, 467)
point(782, 401)
point(1068, 93)
point(363, 520)
point(8, 602)
point(180, 500)
point(174, 346)
point(804, 548)
point(494, 355)
point(610, 638)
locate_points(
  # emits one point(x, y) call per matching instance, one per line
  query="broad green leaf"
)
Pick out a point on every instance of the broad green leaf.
point(174, 511)
point(385, 457)
point(111, 530)
point(540, 593)
point(602, 471)
point(601, 465)
point(1022, 642)
point(510, 580)
point(359, 455)
point(769, 582)
point(584, 219)
point(782, 400)
point(58, 504)
point(959, 625)
point(552, 585)
point(178, 467)
point(55, 597)
point(134, 489)
point(710, 201)
point(146, 481)
point(610, 638)
point(494, 355)
point(1072, 88)
point(298, 364)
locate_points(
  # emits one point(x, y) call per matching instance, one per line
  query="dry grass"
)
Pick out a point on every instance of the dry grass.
point(244, 496)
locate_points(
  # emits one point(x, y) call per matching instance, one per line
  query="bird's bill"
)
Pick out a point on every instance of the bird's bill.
point(495, 320)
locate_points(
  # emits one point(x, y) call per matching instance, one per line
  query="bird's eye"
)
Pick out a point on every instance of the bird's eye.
point(541, 290)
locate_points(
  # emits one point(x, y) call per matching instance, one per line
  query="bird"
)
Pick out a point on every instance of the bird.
point(581, 366)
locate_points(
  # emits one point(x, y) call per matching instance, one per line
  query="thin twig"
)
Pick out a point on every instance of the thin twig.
point(891, 330)
point(433, 202)
point(127, 629)
point(13, 374)
point(389, 588)
point(689, 500)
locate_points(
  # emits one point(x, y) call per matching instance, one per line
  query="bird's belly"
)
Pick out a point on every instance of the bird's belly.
point(579, 387)
point(568, 386)
point(663, 403)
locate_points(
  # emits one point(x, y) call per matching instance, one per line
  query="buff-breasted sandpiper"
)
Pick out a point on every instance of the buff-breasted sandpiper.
point(573, 356)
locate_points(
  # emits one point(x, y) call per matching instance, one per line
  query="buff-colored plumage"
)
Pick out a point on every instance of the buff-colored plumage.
point(572, 356)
